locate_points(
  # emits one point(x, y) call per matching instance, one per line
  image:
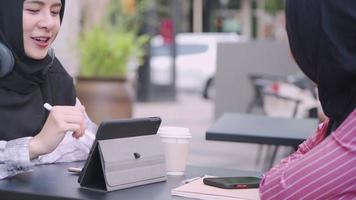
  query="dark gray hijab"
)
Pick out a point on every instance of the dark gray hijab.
point(322, 37)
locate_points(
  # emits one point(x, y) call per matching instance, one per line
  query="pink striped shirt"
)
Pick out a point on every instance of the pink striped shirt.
point(320, 169)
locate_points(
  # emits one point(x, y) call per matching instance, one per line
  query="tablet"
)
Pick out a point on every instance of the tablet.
point(128, 128)
point(114, 129)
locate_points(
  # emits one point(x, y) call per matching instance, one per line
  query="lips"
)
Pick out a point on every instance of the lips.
point(41, 41)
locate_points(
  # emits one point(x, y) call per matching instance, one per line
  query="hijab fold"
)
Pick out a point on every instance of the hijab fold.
point(322, 37)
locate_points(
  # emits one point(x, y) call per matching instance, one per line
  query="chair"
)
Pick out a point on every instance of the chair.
point(259, 82)
point(275, 149)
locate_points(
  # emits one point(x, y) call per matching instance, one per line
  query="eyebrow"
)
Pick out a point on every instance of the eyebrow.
point(42, 3)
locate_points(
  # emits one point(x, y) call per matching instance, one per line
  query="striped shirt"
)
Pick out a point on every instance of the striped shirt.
point(322, 168)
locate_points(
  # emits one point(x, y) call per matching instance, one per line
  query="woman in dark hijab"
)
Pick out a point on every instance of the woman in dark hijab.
point(30, 76)
point(322, 37)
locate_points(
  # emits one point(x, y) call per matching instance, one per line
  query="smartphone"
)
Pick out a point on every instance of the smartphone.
point(233, 182)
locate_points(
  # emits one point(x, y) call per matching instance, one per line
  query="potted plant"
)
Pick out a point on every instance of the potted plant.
point(108, 52)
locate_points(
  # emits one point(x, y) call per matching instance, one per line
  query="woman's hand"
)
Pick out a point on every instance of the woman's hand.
point(60, 120)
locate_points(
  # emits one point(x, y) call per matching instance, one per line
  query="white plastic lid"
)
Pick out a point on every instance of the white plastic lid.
point(174, 132)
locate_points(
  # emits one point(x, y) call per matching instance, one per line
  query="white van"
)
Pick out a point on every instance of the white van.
point(195, 59)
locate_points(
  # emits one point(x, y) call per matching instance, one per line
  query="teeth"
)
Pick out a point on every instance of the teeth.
point(41, 39)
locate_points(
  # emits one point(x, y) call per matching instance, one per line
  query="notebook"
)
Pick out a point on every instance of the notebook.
point(198, 190)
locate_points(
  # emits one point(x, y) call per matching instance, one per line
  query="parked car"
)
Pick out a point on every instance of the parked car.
point(195, 59)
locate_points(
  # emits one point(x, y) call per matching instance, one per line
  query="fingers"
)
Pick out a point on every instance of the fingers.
point(73, 127)
point(82, 128)
point(69, 110)
point(78, 134)
point(69, 118)
point(77, 126)
point(76, 129)
point(75, 119)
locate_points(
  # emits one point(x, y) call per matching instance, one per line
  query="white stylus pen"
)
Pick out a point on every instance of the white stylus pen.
point(49, 108)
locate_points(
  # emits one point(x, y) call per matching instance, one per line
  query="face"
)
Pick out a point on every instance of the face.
point(41, 23)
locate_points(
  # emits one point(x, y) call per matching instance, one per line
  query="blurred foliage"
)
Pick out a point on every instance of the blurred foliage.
point(235, 4)
point(107, 49)
point(127, 14)
point(163, 9)
point(272, 6)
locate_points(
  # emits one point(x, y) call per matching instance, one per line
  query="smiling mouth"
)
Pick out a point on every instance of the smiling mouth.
point(41, 41)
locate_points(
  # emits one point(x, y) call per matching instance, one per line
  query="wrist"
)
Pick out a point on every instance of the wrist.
point(35, 149)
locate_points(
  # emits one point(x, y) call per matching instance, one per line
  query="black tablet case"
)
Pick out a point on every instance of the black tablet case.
point(126, 153)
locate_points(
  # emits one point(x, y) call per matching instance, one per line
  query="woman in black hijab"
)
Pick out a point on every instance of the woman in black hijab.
point(28, 131)
point(322, 37)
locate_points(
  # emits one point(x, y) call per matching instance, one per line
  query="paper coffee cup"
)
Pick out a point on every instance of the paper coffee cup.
point(176, 144)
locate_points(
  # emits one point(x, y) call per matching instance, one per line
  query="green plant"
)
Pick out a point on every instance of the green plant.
point(272, 6)
point(107, 49)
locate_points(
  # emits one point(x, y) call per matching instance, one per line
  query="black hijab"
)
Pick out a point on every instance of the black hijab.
point(322, 37)
point(31, 83)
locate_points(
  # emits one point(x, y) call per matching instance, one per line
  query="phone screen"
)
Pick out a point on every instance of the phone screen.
point(233, 182)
